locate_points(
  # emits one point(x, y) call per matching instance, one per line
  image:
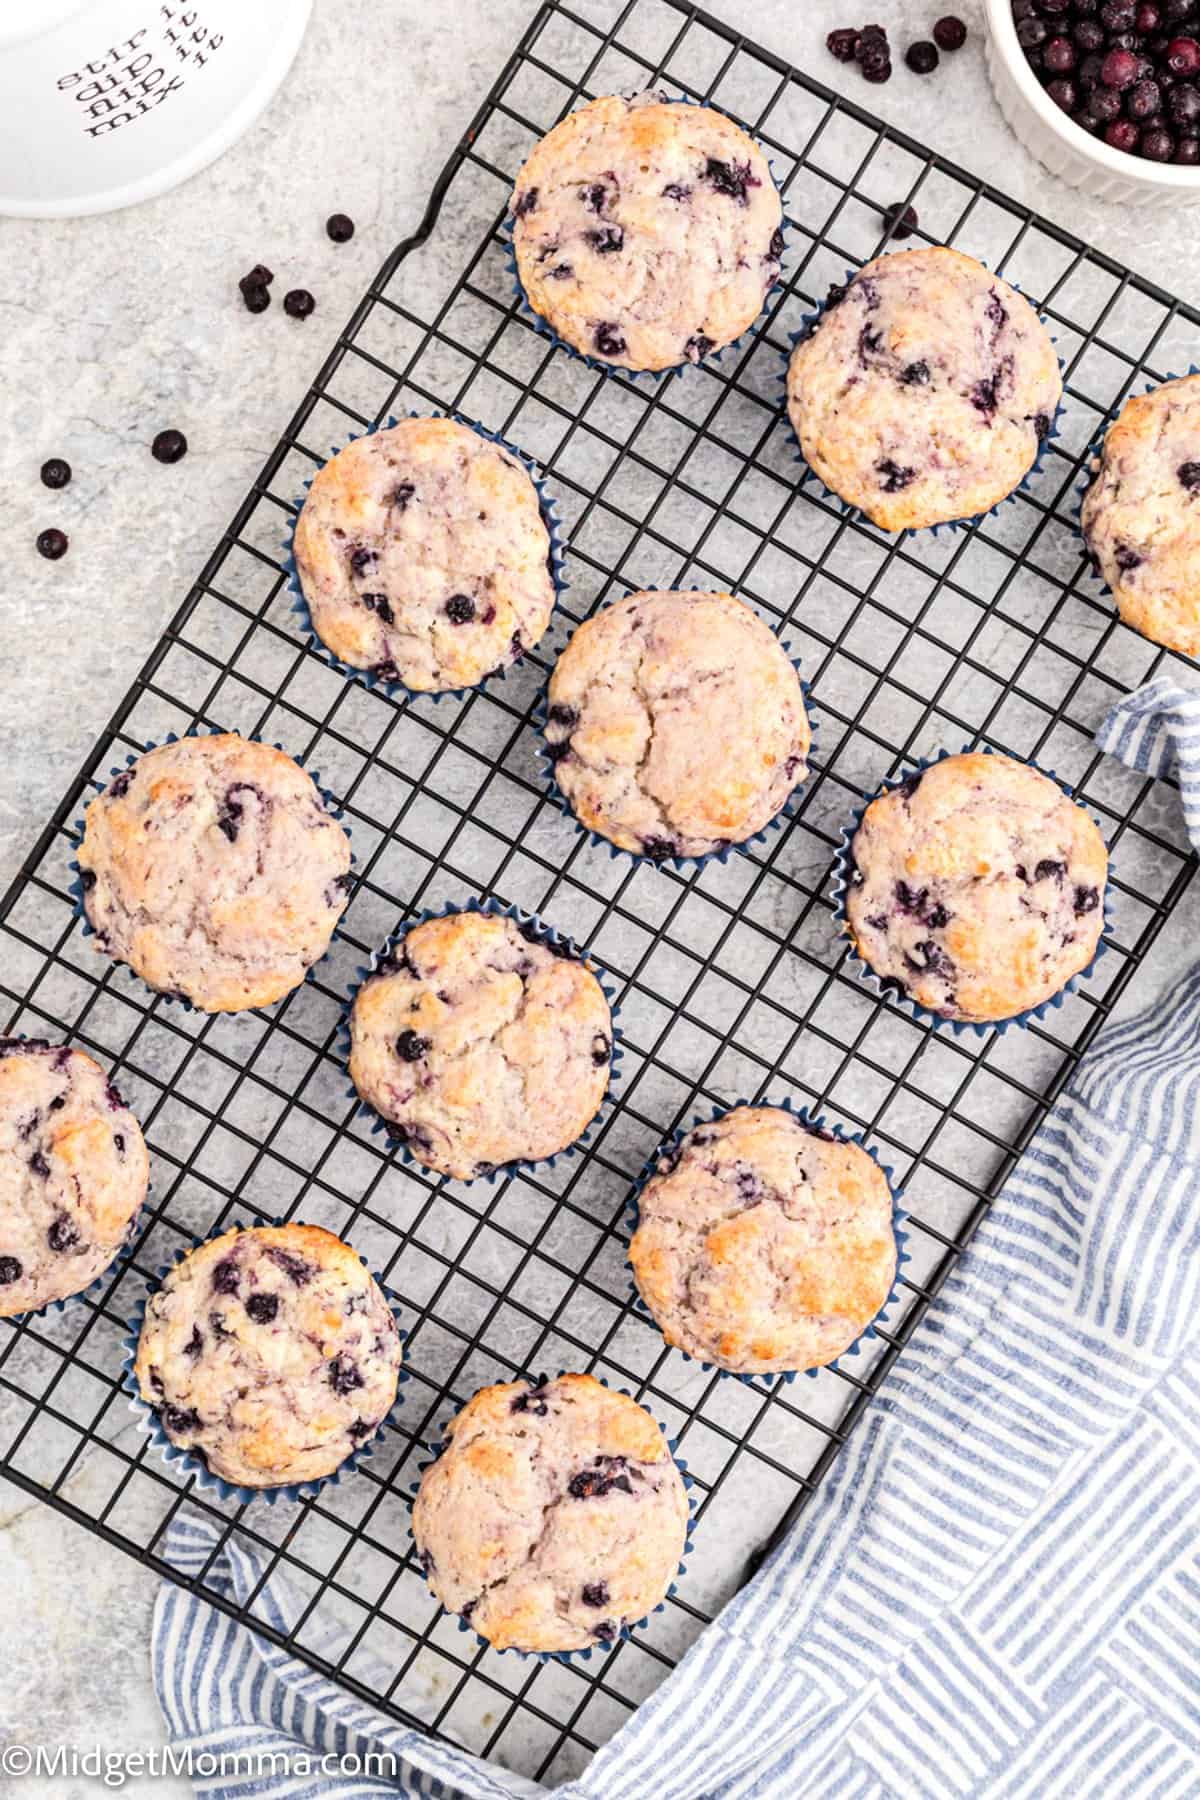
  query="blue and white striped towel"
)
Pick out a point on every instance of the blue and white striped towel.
point(997, 1590)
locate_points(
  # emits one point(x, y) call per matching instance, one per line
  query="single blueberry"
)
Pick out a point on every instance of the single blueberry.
point(605, 1632)
point(360, 1429)
point(385, 670)
point(460, 609)
point(410, 1047)
point(922, 57)
point(39, 1166)
point(776, 247)
point(1087, 899)
point(525, 203)
point(10, 1271)
point(262, 1308)
point(52, 543)
point(894, 476)
point(915, 375)
point(1127, 558)
point(401, 495)
point(1048, 870)
point(340, 227)
point(1041, 424)
point(595, 1593)
point(361, 559)
point(556, 753)
point(87, 880)
point(118, 788)
point(698, 347)
point(56, 472)
point(298, 303)
point(731, 178)
point(563, 715)
point(901, 220)
point(1189, 475)
point(601, 1049)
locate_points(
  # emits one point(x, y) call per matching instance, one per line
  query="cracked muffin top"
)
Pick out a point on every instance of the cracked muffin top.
point(1141, 515)
point(271, 1353)
point(214, 869)
point(481, 1044)
point(73, 1173)
point(424, 556)
point(553, 1516)
point(676, 724)
point(763, 1243)
point(977, 887)
point(647, 233)
point(924, 390)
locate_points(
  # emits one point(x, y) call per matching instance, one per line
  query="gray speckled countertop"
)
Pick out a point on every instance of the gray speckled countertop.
point(112, 328)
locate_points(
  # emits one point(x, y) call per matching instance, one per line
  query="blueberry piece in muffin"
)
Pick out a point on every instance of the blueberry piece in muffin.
point(551, 1525)
point(646, 233)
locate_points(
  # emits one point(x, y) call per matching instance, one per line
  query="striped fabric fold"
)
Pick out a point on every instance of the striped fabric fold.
point(996, 1591)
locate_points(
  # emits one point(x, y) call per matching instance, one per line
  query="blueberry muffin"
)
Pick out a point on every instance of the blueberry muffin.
point(676, 724)
point(925, 389)
point(554, 1515)
point(480, 1044)
point(213, 868)
point(269, 1353)
point(1141, 515)
point(764, 1244)
point(647, 234)
point(424, 557)
point(976, 888)
point(73, 1173)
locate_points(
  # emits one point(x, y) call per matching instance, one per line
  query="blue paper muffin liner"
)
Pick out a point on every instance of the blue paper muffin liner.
point(547, 934)
point(1091, 468)
point(189, 1460)
point(551, 518)
point(843, 866)
point(784, 816)
point(435, 1448)
point(124, 1250)
point(809, 322)
point(75, 888)
point(544, 328)
point(818, 1125)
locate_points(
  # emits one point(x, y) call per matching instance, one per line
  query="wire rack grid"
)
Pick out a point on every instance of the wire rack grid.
point(732, 979)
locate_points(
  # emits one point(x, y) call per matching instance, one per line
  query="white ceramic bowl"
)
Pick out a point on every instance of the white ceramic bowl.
point(1066, 149)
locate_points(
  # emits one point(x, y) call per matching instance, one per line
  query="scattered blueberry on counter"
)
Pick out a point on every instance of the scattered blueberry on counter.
point(52, 543)
point(56, 472)
point(870, 49)
point(1123, 70)
point(340, 227)
point(299, 303)
point(169, 446)
point(256, 288)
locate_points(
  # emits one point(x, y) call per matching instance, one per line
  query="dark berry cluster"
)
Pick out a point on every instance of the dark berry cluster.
point(1124, 70)
point(870, 49)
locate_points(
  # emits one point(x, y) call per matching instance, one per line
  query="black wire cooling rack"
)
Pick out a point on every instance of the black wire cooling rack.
point(732, 979)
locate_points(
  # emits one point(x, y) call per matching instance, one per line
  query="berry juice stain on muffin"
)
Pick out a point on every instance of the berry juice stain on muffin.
point(925, 390)
point(1141, 515)
point(481, 1044)
point(424, 557)
point(214, 869)
point(764, 1244)
point(73, 1173)
point(977, 888)
point(676, 724)
point(271, 1353)
point(647, 233)
point(553, 1517)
